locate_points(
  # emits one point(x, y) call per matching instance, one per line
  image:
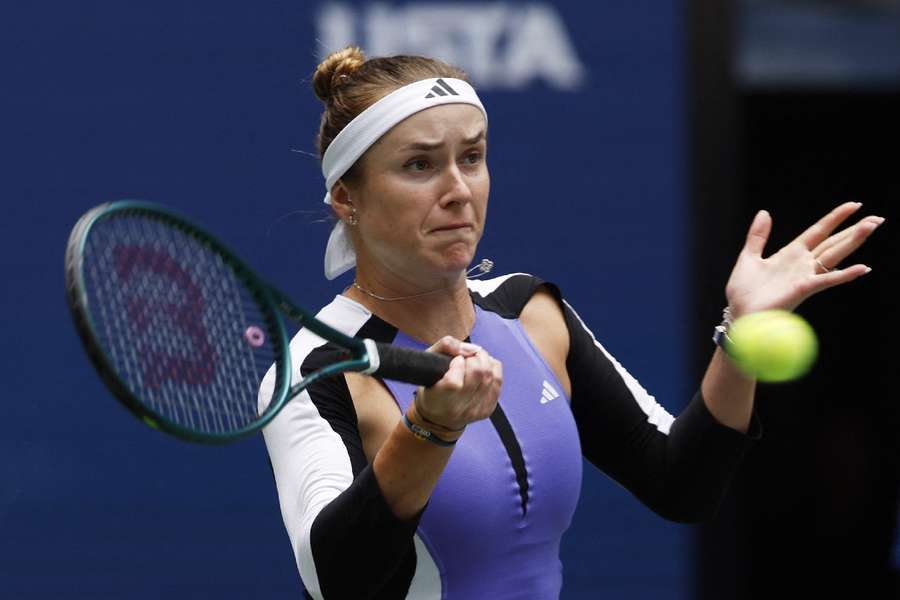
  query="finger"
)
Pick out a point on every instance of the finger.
point(835, 252)
point(820, 231)
point(469, 349)
point(832, 240)
point(838, 277)
point(446, 345)
point(870, 221)
point(455, 376)
point(492, 376)
point(491, 393)
point(497, 379)
point(498, 372)
point(479, 371)
point(453, 347)
point(758, 234)
point(435, 403)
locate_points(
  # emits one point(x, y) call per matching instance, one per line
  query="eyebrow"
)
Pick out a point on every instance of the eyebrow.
point(426, 146)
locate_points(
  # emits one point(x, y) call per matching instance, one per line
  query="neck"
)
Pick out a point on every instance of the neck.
point(425, 314)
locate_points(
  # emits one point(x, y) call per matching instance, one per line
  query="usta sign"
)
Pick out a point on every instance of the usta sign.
point(500, 45)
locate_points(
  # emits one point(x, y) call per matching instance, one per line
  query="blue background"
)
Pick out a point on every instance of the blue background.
point(206, 107)
point(819, 43)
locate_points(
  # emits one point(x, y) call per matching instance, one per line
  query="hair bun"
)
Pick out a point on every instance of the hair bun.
point(336, 67)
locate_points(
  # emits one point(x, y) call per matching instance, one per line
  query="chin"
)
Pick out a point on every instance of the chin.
point(459, 256)
point(452, 263)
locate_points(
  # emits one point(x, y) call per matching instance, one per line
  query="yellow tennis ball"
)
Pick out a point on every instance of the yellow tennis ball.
point(772, 345)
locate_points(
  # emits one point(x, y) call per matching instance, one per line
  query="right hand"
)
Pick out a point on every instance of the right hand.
point(468, 391)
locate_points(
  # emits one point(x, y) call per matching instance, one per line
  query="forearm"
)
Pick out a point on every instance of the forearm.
point(728, 393)
point(407, 468)
point(680, 467)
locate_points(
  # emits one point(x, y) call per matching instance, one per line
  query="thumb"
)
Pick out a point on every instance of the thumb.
point(456, 373)
point(759, 233)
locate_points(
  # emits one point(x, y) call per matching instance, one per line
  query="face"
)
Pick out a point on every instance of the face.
point(422, 194)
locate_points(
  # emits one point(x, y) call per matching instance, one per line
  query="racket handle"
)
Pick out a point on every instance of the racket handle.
point(411, 366)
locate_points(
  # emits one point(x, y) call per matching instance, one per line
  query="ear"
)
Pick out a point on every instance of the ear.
point(340, 201)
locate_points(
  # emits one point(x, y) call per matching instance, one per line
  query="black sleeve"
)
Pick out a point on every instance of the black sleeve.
point(679, 468)
point(356, 546)
point(360, 548)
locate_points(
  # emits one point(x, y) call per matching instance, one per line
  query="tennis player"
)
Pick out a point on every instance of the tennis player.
point(462, 491)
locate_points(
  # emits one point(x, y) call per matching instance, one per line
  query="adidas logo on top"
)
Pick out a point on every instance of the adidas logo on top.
point(441, 89)
point(548, 393)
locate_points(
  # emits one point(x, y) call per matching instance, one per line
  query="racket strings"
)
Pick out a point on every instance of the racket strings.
point(183, 330)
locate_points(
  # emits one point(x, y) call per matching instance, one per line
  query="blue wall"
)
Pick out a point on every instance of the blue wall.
point(206, 107)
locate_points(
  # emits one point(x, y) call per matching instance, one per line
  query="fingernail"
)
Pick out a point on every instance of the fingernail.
point(469, 347)
point(867, 271)
point(858, 204)
point(878, 220)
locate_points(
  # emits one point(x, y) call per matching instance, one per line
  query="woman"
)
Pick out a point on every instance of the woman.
point(373, 503)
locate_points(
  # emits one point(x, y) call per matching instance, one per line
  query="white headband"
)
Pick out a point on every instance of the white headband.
point(366, 129)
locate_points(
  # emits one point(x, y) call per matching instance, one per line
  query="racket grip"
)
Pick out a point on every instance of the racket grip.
point(411, 366)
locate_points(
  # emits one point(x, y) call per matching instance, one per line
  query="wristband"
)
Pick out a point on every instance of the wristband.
point(424, 434)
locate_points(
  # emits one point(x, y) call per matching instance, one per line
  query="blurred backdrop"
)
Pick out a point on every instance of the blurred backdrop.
point(794, 109)
point(631, 142)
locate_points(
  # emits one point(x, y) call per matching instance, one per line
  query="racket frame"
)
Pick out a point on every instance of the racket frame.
point(274, 303)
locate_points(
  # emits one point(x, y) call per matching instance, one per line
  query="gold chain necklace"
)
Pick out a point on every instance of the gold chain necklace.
point(482, 267)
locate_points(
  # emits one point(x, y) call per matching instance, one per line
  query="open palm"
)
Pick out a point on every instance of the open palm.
point(804, 267)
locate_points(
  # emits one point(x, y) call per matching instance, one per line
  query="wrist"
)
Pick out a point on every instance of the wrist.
point(720, 332)
point(416, 405)
point(417, 418)
point(422, 434)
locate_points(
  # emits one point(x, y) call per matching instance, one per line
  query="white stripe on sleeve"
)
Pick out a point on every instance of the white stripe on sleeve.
point(656, 414)
point(309, 458)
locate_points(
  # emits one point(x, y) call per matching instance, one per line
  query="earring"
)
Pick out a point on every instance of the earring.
point(352, 219)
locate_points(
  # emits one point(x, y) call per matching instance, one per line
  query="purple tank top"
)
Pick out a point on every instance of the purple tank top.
point(484, 544)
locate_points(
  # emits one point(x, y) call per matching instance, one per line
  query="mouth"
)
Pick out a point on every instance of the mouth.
point(452, 227)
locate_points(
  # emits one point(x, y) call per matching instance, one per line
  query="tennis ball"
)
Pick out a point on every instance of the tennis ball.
point(772, 345)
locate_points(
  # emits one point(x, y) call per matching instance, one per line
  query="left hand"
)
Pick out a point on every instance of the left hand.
point(792, 275)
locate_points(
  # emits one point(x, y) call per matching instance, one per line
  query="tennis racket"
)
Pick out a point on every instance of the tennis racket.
point(182, 331)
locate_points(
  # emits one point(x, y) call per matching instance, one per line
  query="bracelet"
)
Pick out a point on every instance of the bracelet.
point(424, 434)
point(720, 333)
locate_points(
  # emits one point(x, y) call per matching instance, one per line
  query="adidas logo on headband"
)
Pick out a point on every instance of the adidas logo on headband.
point(441, 89)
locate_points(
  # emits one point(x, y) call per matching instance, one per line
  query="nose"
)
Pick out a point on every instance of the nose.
point(456, 188)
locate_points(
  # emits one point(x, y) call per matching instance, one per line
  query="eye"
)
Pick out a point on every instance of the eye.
point(417, 164)
point(473, 158)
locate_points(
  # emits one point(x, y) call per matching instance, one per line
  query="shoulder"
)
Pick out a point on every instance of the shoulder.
point(537, 304)
point(507, 295)
point(309, 352)
point(532, 300)
point(518, 296)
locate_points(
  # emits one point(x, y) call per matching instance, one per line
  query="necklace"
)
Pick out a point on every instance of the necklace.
point(482, 267)
point(386, 299)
